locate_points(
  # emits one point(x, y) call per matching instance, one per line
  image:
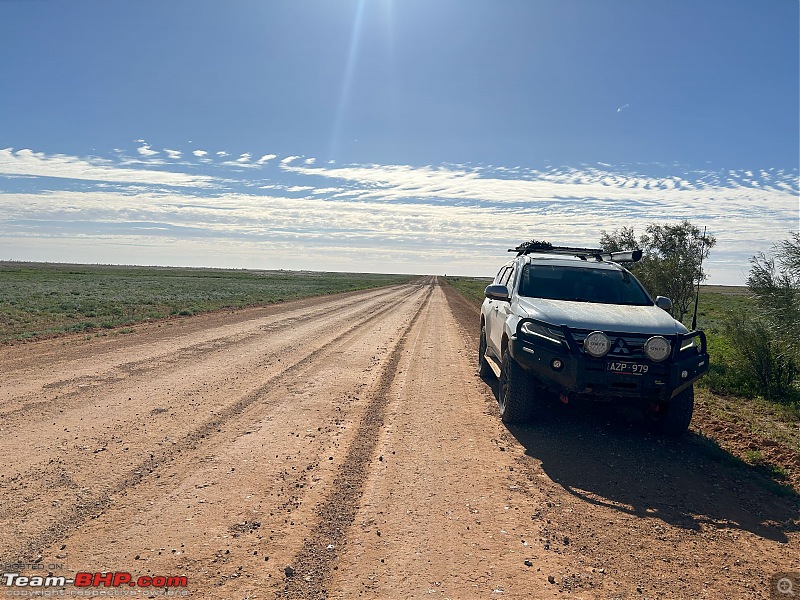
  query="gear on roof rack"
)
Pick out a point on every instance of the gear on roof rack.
point(598, 254)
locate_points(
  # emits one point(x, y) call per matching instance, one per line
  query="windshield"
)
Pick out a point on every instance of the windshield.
point(605, 286)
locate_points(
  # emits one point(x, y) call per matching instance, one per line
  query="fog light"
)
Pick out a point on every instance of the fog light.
point(556, 364)
point(684, 374)
point(657, 348)
point(596, 344)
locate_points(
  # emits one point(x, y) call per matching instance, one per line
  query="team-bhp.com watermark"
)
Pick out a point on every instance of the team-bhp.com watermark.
point(84, 584)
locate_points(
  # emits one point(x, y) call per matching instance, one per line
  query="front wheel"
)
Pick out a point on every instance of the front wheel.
point(517, 393)
point(673, 417)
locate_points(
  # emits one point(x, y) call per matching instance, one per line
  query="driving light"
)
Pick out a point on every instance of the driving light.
point(596, 344)
point(657, 348)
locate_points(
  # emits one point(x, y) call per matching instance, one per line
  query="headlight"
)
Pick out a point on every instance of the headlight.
point(596, 344)
point(657, 348)
point(551, 335)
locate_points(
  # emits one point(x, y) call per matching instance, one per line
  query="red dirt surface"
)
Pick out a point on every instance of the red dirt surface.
point(344, 447)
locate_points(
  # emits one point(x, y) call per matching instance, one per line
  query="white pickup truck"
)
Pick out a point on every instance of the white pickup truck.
point(573, 322)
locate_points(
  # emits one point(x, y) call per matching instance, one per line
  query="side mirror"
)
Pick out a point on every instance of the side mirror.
point(497, 292)
point(663, 302)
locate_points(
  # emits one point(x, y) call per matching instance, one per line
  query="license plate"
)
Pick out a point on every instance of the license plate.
point(627, 368)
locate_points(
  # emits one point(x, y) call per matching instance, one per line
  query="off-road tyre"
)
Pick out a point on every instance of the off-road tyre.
point(484, 369)
point(517, 393)
point(673, 417)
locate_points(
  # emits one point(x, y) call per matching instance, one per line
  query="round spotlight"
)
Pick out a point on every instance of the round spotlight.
point(596, 344)
point(657, 348)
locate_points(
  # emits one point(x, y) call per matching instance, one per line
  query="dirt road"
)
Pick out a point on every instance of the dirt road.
point(343, 447)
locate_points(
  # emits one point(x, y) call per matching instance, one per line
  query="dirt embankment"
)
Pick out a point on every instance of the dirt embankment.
point(344, 447)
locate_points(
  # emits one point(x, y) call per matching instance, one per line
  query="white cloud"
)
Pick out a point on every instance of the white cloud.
point(38, 164)
point(428, 219)
point(199, 153)
point(401, 182)
point(315, 191)
point(146, 150)
point(222, 153)
point(173, 153)
point(245, 160)
point(310, 161)
point(125, 161)
point(427, 237)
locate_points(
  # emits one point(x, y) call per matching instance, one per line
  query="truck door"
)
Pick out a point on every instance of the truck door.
point(499, 312)
point(490, 312)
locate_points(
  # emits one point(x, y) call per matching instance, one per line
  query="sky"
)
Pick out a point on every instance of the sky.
point(402, 136)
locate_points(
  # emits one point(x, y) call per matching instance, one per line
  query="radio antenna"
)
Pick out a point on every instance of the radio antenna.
point(699, 277)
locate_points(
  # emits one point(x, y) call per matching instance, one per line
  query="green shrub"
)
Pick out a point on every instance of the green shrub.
point(725, 373)
point(766, 364)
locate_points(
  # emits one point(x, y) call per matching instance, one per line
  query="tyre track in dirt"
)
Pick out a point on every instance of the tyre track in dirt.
point(21, 383)
point(89, 504)
point(83, 398)
point(334, 516)
point(384, 445)
point(55, 353)
point(440, 516)
point(240, 499)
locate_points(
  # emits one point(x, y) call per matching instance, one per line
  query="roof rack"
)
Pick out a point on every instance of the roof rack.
point(598, 254)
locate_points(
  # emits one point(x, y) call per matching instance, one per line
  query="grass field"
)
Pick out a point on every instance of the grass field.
point(43, 299)
point(470, 287)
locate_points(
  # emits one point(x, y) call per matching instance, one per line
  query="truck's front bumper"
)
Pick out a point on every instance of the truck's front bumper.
point(565, 368)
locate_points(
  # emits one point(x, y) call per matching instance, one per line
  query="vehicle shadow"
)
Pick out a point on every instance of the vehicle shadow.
point(604, 457)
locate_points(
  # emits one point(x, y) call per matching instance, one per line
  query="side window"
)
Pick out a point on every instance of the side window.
point(512, 279)
point(506, 277)
point(500, 275)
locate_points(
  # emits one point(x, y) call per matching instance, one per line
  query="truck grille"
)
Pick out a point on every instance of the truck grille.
point(623, 346)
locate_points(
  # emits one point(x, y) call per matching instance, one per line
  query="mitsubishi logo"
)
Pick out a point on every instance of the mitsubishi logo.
point(620, 347)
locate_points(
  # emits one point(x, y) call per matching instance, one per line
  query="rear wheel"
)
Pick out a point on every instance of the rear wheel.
point(484, 370)
point(517, 393)
point(673, 417)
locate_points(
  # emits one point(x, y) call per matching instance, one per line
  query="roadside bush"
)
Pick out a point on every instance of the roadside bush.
point(774, 282)
point(763, 364)
point(726, 374)
point(755, 352)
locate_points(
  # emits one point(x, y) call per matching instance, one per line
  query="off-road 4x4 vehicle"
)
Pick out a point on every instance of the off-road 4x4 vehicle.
point(573, 322)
